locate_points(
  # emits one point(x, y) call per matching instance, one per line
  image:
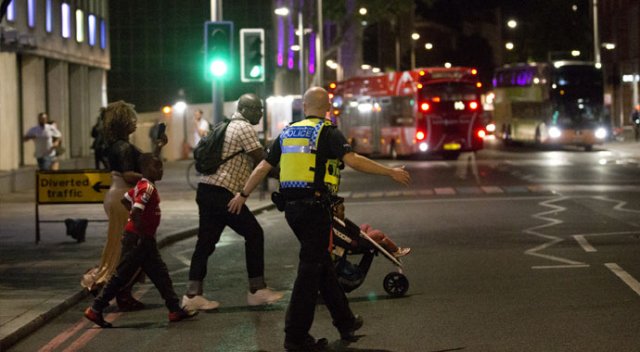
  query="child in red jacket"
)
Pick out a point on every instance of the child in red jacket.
point(139, 248)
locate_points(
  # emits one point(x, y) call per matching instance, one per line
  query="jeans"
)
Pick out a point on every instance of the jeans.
point(45, 162)
point(139, 252)
point(311, 223)
point(214, 216)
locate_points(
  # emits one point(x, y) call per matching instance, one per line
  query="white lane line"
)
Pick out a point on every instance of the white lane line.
point(584, 243)
point(582, 240)
point(624, 276)
point(574, 266)
point(552, 240)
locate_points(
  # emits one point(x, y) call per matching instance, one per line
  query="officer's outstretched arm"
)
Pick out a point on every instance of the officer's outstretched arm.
point(366, 165)
point(259, 173)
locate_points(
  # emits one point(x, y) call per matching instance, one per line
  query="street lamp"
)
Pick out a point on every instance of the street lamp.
point(428, 46)
point(180, 107)
point(512, 23)
point(414, 37)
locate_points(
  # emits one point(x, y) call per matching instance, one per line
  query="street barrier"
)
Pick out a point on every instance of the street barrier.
point(70, 187)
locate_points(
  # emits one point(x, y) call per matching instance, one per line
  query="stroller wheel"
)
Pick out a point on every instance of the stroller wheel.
point(396, 284)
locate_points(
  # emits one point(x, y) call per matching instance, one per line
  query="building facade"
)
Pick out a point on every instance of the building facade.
point(620, 33)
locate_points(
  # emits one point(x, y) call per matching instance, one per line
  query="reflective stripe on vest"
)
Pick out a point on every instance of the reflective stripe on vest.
point(299, 144)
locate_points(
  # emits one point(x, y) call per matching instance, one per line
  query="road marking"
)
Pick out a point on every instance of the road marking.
point(552, 240)
point(625, 277)
point(60, 339)
point(582, 240)
point(584, 243)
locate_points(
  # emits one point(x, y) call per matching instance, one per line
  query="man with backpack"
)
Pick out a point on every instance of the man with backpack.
point(241, 151)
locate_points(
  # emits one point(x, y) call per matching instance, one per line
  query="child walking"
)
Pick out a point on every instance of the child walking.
point(139, 248)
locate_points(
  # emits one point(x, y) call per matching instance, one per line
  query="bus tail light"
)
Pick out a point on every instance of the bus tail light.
point(424, 107)
point(481, 133)
point(420, 135)
point(473, 105)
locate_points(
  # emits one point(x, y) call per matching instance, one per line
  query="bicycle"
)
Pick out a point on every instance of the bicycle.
point(193, 176)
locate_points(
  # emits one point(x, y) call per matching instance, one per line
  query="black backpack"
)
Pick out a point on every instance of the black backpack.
point(208, 152)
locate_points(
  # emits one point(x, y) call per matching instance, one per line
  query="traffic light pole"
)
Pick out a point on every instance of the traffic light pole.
point(217, 87)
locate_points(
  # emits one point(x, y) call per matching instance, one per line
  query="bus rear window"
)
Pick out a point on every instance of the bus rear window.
point(453, 91)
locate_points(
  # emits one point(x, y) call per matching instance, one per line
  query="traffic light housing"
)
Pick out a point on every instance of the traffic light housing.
point(218, 46)
point(252, 55)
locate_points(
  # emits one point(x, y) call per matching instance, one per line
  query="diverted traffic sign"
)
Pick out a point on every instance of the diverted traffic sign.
point(72, 186)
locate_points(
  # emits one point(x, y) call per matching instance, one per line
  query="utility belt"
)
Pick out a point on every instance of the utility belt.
point(319, 198)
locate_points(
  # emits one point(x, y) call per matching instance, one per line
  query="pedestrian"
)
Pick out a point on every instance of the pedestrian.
point(310, 154)
point(139, 247)
point(99, 144)
point(46, 138)
point(213, 193)
point(200, 127)
point(58, 149)
point(635, 120)
point(120, 121)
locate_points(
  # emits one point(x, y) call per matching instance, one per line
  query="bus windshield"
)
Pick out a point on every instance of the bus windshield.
point(449, 91)
point(575, 76)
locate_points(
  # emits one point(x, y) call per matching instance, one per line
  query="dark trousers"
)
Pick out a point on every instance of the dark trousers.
point(311, 224)
point(139, 252)
point(214, 216)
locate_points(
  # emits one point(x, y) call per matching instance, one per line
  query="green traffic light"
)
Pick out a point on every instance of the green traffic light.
point(218, 68)
point(255, 72)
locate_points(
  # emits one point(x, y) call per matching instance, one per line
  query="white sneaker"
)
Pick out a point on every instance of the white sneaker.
point(198, 303)
point(263, 296)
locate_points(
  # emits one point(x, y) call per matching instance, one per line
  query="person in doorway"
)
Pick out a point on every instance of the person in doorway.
point(213, 193)
point(139, 247)
point(46, 138)
point(120, 121)
point(310, 154)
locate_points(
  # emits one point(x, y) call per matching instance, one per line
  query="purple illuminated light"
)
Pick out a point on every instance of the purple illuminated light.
point(280, 58)
point(291, 41)
point(312, 53)
point(31, 13)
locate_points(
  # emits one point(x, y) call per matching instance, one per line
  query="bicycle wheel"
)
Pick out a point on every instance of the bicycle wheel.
point(193, 177)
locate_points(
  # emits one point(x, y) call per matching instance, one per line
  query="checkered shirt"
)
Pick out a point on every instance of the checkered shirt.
point(234, 173)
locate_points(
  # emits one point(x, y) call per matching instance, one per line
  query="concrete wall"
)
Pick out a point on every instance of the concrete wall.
point(9, 123)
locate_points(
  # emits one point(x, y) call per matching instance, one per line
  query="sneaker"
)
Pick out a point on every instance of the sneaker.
point(263, 296)
point(96, 318)
point(401, 252)
point(182, 314)
point(349, 334)
point(308, 345)
point(198, 303)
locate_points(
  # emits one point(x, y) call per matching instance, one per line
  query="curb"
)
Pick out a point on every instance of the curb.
point(24, 331)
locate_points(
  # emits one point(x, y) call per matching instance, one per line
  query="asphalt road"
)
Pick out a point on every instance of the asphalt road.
point(516, 251)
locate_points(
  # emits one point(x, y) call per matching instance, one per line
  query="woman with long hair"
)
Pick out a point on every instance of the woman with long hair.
point(120, 120)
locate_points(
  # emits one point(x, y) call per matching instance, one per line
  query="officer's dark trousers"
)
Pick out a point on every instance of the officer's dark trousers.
point(214, 216)
point(311, 224)
point(139, 252)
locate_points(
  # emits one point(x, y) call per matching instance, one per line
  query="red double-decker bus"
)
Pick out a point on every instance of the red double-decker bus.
point(427, 110)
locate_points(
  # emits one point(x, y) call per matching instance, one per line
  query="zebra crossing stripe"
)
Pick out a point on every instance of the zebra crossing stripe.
point(492, 189)
point(444, 191)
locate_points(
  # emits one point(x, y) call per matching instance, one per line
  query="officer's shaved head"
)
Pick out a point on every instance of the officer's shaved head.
point(316, 102)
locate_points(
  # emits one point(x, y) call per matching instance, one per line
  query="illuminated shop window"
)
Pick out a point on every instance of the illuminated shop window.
point(66, 20)
point(49, 17)
point(92, 29)
point(79, 26)
point(11, 12)
point(31, 13)
point(103, 34)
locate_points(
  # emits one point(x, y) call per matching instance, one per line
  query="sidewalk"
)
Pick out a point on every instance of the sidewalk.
point(40, 281)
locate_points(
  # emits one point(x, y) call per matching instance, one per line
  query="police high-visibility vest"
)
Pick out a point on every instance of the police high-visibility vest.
point(299, 144)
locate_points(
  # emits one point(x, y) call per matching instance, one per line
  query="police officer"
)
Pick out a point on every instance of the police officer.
point(310, 153)
point(635, 120)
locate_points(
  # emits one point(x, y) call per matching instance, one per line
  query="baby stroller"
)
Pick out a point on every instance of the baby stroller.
point(349, 241)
